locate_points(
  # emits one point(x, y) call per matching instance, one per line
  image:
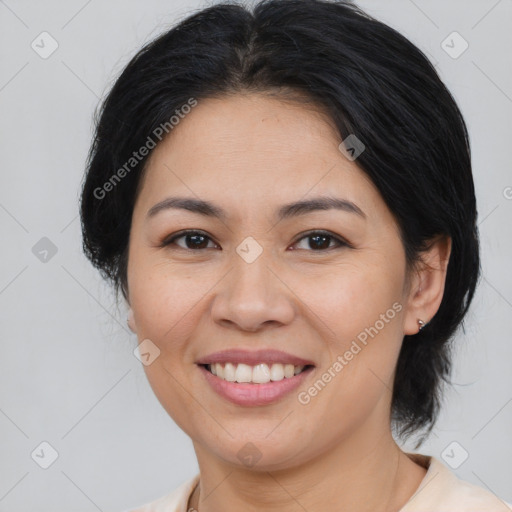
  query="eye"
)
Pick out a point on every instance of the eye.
point(320, 240)
point(194, 240)
point(197, 240)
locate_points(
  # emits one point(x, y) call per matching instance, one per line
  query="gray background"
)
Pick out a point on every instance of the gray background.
point(68, 374)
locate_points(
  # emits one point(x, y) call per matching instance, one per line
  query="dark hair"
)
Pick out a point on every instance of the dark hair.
point(371, 81)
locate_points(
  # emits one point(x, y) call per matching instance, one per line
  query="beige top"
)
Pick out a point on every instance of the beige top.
point(439, 491)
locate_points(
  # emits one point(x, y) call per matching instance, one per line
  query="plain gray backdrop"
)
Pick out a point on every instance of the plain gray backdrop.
point(69, 377)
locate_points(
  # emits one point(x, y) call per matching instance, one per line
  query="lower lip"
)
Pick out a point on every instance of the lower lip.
point(254, 394)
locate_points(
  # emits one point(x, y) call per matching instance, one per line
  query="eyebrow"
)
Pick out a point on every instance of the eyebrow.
point(286, 211)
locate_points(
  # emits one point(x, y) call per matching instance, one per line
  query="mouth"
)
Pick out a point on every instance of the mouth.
point(261, 373)
point(254, 378)
point(254, 386)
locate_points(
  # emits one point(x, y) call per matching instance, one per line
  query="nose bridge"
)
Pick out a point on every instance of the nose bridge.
point(252, 294)
point(251, 270)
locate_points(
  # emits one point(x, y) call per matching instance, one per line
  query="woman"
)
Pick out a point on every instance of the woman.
point(284, 197)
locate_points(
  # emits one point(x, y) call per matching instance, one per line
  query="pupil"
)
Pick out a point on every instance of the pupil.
point(195, 237)
point(317, 237)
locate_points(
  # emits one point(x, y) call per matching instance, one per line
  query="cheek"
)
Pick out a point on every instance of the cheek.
point(166, 302)
point(166, 305)
point(350, 298)
point(361, 314)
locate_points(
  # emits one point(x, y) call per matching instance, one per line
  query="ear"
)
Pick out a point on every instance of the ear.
point(427, 284)
point(131, 321)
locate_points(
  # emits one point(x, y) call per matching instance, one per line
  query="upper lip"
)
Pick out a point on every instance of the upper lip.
point(253, 357)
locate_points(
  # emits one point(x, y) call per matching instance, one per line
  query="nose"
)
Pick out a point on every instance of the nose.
point(252, 296)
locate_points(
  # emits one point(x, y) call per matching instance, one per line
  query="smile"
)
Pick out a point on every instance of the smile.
point(250, 393)
point(258, 374)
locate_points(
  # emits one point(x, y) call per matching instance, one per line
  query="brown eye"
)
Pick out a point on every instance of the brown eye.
point(193, 240)
point(320, 241)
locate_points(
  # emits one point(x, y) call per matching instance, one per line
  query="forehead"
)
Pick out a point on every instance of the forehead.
point(249, 129)
point(254, 149)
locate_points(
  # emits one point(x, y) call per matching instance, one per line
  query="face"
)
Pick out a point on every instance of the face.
point(324, 286)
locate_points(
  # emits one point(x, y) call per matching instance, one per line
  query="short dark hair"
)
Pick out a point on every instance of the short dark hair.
point(372, 82)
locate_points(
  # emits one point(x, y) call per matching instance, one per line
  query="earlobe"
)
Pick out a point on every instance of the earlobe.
point(427, 293)
point(130, 320)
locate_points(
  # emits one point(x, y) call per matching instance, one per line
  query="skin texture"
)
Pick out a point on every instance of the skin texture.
point(249, 154)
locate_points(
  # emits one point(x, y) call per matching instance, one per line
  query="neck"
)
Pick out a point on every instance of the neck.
point(377, 477)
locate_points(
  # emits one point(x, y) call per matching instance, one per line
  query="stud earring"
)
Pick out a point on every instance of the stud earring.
point(421, 323)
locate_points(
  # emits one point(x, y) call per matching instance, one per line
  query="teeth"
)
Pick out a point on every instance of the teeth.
point(219, 370)
point(289, 370)
point(259, 374)
point(243, 373)
point(277, 372)
point(229, 372)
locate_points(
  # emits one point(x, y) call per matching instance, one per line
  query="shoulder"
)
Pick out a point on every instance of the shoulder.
point(175, 501)
point(441, 490)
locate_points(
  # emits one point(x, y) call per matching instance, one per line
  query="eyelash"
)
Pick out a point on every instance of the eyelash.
point(170, 240)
